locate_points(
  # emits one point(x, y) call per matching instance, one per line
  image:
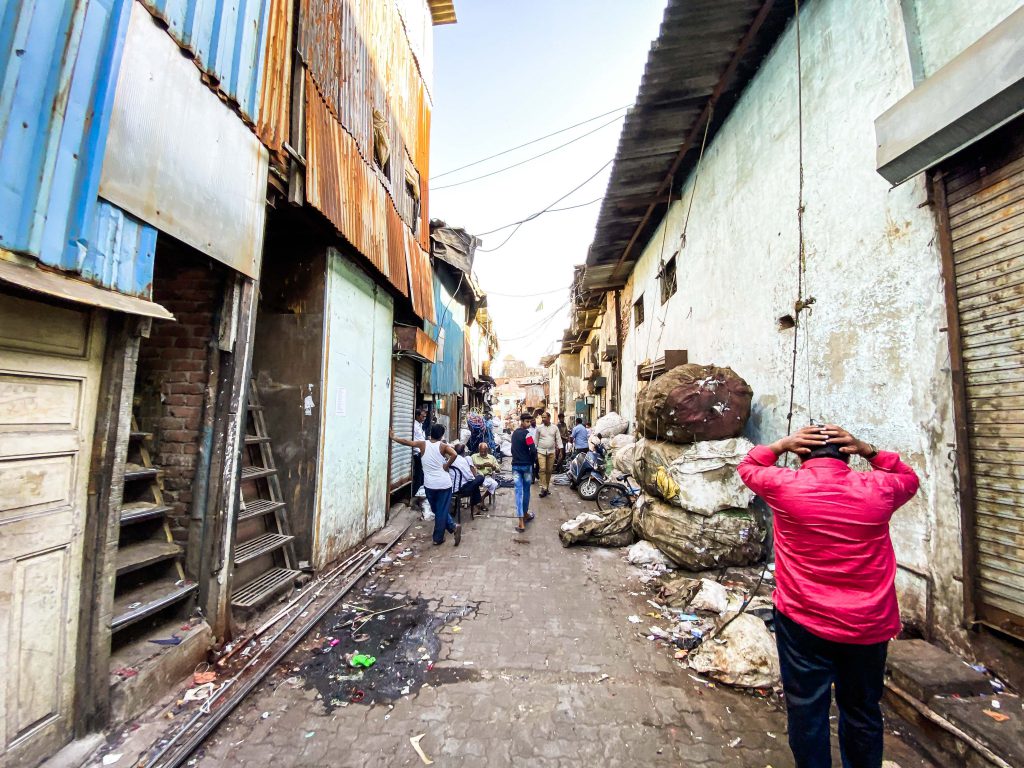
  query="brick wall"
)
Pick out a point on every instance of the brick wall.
point(174, 374)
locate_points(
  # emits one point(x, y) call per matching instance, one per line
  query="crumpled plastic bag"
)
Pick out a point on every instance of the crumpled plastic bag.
point(701, 542)
point(743, 654)
point(704, 474)
point(711, 596)
point(645, 553)
point(610, 425)
point(426, 513)
point(599, 529)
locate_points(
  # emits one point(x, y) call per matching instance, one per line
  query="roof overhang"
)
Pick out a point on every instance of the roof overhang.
point(705, 55)
point(442, 11)
point(971, 96)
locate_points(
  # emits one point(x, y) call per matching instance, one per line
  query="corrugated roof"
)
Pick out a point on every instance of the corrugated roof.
point(442, 11)
point(705, 54)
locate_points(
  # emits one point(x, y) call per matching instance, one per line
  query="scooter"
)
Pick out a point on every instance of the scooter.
point(586, 473)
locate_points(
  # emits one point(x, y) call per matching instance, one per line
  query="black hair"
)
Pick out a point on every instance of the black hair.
point(421, 412)
point(827, 451)
point(437, 432)
point(525, 415)
point(579, 419)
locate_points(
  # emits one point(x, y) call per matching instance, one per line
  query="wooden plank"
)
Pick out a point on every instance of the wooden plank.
point(136, 604)
point(135, 556)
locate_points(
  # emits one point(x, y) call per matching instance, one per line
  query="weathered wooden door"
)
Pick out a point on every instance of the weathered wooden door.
point(50, 361)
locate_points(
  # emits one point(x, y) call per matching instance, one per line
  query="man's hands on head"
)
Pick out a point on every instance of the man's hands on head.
point(806, 439)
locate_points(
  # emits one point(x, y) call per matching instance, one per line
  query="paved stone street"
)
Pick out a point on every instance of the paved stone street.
point(532, 630)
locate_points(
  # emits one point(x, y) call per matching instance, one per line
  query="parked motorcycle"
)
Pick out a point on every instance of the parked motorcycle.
point(586, 472)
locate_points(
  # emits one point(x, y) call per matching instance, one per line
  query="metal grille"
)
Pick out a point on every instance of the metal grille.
point(402, 408)
point(985, 204)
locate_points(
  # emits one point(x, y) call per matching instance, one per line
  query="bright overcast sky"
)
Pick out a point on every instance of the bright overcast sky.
point(507, 73)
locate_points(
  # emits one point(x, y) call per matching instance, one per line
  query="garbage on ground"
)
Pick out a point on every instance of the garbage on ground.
point(699, 542)
point(743, 654)
point(694, 402)
point(415, 741)
point(613, 528)
point(710, 596)
point(360, 660)
point(645, 553)
point(610, 425)
point(700, 477)
point(426, 513)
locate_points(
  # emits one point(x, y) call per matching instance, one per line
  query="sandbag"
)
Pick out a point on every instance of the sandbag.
point(694, 402)
point(699, 542)
point(742, 654)
point(704, 474)
point(599, 529)
point(623, 459)
point(610, 425)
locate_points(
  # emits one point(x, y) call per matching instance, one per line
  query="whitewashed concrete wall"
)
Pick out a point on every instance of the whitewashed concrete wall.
point(947, 27)
point(873, 355)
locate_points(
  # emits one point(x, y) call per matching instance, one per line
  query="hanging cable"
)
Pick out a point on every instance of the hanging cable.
point(535, 215)
point(525, 295)
point(546, 208)
point(801, 304)
point(527, 160)
point(531, 141)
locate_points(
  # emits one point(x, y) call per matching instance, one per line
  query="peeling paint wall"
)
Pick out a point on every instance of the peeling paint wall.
point(873, 355)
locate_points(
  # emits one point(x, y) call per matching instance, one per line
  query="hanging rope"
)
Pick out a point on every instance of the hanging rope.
point(801, 303)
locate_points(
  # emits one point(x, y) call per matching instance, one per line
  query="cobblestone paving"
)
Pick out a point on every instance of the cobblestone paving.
point(551, 624)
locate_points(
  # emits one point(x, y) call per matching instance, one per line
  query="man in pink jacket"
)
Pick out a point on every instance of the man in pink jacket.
point(835, 596)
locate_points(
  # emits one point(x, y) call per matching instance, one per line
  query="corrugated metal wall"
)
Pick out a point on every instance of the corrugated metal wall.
point(58, 69)
point(121, 252)
point(227, 39)
point(447, 373)
point(273, 125)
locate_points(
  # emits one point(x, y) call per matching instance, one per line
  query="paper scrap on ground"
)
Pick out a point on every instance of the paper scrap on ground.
point(415, 741)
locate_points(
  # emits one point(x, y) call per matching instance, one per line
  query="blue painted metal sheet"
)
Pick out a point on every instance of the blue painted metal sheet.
point(448, 371)
point(120, 253)
point(58, 71)
point(227, 39)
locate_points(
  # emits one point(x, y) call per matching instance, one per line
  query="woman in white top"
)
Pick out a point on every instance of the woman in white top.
point(437, 457)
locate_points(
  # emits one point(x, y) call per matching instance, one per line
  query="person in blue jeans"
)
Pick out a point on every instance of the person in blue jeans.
point(437, 457)
point(524, 456)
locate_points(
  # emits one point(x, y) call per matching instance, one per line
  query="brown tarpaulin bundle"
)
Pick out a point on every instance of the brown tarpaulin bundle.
point(612, 528)
point(700, 542)
point(694, 402)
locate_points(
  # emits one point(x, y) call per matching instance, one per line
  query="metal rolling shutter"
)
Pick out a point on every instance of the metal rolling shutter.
point(402, 408)
point(985, 203)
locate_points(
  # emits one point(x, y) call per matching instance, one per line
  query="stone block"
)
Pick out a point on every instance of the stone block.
point(923, 670)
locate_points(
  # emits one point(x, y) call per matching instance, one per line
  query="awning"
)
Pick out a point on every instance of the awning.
point(971, 96)
point(62, 287)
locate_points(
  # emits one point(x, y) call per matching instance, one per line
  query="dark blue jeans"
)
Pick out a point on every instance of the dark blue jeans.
point(440, 500)
point(810, 666)
point(523, 476)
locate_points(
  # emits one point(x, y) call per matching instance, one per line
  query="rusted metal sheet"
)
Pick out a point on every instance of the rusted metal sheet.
point(982, 220)
point(442, 11)
point(349, 193)
point(414, 341)
point(362, 63)
point(272, 124)
point(704, 56)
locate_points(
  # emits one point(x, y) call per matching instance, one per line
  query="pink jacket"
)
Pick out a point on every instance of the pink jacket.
point(835, 566)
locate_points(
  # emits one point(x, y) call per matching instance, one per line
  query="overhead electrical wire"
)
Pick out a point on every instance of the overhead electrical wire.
point(546, 208)
point(535, 215)
point(531, 141)
point(527, 160)
point(526, 295)
point(538, 327)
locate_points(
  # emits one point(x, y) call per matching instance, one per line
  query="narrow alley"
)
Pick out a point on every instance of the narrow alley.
point(536, 664)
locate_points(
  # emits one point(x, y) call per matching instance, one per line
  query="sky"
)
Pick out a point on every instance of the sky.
point(508, 72)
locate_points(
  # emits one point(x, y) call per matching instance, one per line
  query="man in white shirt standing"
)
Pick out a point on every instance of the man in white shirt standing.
point(418, 436)
point(548, 437)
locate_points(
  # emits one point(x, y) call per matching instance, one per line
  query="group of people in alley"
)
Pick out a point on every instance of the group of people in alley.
point(445, 470)
point(835, 598)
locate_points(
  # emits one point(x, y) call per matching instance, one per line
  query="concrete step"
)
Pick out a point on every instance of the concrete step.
point(924, 670)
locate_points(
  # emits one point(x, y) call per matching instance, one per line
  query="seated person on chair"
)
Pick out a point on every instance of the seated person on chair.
point(487, 467)
point(465, 480)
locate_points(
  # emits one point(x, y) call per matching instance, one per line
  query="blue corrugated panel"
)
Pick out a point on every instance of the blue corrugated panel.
point(58, 70)
point(120, 252)
point(227, 38)
point(447, 374)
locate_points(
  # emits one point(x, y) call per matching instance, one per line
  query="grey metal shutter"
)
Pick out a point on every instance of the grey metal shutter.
point(985, 203)
point(402, 411)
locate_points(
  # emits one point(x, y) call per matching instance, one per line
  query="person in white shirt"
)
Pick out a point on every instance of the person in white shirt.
point(466, 481)
point(548, 438)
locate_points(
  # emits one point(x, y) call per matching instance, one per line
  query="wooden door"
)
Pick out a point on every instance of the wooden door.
point(50, 360)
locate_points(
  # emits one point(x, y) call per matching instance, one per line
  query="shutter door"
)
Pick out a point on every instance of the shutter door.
point(985, 203)
point(402, 411)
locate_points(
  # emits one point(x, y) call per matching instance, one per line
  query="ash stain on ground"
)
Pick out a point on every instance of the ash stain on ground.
point(404, 638)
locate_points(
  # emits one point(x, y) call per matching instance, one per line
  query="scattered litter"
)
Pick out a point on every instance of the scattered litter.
point(361, 660)
point(264, 716)
point(603, 677)
point(771, 735)
point(199, 693)
point(742, 654)
point(415, 741)
point(645, 553)
point(999, 717)
point(203, 674)
point(735, 742)
point(172, 640)
point(310, 734)
point(111, 758)
point(634, 619)
point(456, 629)
point(996, 704)
point(711, 596)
